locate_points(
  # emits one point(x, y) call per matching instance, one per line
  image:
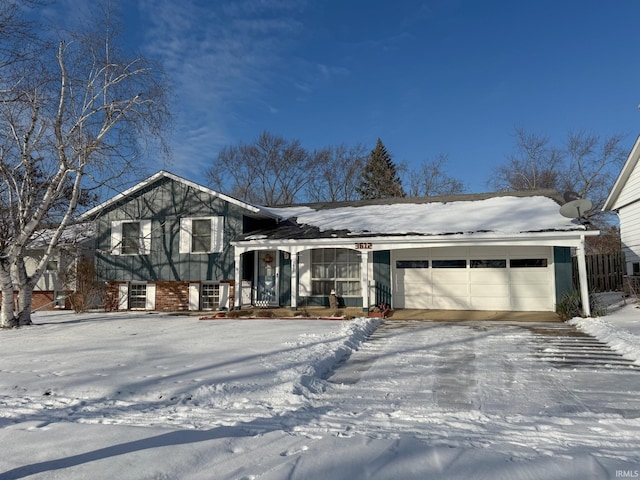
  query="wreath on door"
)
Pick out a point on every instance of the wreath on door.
point(268, 258)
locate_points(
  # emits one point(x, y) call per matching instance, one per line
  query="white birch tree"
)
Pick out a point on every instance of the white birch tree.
point(68, 127)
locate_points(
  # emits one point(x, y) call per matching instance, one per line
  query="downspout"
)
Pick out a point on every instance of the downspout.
point(582, 276)
point(237, 294)
point(294, 279)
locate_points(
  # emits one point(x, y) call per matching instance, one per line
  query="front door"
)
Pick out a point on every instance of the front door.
point(267, 288)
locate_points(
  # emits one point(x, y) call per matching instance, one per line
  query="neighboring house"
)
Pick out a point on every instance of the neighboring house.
point(164, 244)
point(624, 199)
point(58, 280)
point(509, 251)
point(171, 244)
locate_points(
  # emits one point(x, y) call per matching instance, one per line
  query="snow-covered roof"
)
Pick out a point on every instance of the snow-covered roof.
point(76, 234)
point(499, 215)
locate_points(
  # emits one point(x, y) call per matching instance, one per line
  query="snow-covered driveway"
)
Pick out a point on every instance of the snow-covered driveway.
point(523, 387)
point(490, 367)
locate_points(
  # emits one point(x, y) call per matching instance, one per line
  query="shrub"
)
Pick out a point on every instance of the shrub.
point(570, 305)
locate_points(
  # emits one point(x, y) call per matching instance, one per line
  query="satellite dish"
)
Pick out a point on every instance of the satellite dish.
point(570, 196)
point(575, 208)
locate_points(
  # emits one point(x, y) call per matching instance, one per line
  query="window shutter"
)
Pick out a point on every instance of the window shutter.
point(116, 237)
point(185, 235)
point(217, 234)
point(145, 234)
point(123, 296)
point(150, 303)
point(194, 296)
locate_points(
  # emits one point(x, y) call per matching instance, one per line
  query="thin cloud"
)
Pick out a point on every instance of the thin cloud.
point(217, 57)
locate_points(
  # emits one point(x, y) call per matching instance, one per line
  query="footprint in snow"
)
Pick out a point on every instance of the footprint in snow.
point(294, 451)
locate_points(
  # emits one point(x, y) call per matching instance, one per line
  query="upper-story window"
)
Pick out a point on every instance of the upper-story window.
point(131, 237)
point(201, 235)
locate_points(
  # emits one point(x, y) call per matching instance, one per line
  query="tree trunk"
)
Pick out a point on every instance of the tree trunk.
point(24, 304)
point(25, 293)
point(7, 317)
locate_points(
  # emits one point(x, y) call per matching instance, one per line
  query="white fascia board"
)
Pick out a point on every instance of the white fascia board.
point(162, 173)
point(558, 239)
point(625, 173)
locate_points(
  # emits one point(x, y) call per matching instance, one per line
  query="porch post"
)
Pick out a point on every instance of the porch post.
point(294, 279)
point(364, 275)
point(237, 297)
point(582, 276)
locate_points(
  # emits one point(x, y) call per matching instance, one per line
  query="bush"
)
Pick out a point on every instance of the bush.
point(570, 305)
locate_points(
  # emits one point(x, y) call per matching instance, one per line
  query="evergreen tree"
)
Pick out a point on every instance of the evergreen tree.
point(380, 178)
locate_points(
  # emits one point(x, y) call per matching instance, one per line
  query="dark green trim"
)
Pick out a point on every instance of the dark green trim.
point(563, 270)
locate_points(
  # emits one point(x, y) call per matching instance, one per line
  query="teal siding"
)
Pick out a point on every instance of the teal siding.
point(563, 270)
point(285, 280)
point(382, 277)
point(165, 202)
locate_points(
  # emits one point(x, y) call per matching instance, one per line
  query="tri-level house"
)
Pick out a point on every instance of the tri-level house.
point(170, 244)
point(164, 244)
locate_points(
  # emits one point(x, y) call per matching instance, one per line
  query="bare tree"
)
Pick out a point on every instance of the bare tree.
point(339, 174)
point(430, 179)
point(592, 165)
point(68, 128)
point(270, 171)
point(535, 165)
point(586, 164)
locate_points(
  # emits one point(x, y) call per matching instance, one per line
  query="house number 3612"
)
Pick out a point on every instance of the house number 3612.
point(364, 246)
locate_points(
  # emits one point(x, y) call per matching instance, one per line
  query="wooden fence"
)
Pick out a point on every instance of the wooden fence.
point(604, 272)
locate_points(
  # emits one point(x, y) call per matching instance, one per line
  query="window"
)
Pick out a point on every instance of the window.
point(335, 269)
point(635, 268)
point(131, 238)
point(138, 296)
point(528, 262)
point(488, 264)
point(449, 264)
point(210, 296)
point(52, 266)
point(201, 235)
point(412, 263)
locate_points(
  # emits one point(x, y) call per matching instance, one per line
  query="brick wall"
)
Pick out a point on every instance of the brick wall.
point(111, 297)
point(172, 296)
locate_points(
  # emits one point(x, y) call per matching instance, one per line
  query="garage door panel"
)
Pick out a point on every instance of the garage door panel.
point(450, 276)
point(449, 290)
point(495, 291)
point(418, 289)
point(415, 275)
point(489, 276)
point(417, 301)
point(530, 291)
point(527, 276)
point(490, 303)
point(530, 304)
point(451, 303)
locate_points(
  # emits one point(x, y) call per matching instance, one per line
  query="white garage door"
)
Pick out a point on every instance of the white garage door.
point(474, 278)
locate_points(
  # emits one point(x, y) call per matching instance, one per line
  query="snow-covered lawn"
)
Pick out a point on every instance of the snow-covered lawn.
point(156, 396)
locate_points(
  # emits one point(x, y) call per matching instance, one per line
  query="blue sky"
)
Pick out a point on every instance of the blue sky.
point(427, 77)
